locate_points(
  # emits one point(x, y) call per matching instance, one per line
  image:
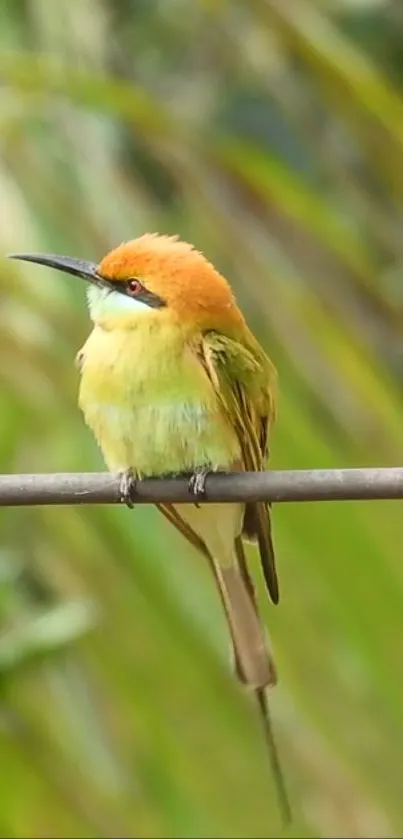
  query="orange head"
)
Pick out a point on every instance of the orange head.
point(158, 275)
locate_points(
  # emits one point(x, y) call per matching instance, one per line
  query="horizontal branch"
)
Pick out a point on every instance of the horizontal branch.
point(300, 485)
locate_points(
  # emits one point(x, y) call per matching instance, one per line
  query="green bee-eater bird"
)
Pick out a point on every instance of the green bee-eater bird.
point(173, 381)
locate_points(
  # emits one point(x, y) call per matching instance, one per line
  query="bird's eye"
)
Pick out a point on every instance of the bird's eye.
point(133, 286)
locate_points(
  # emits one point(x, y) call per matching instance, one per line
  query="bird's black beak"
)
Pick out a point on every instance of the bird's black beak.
point(78, 267)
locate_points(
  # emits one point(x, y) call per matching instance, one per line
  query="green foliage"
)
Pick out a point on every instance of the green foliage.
point(269, 133)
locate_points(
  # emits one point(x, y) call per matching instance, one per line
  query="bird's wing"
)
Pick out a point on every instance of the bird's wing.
point(238, 380)
point(245, 385)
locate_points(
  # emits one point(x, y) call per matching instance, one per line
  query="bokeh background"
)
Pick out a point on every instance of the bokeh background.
point(270, 134)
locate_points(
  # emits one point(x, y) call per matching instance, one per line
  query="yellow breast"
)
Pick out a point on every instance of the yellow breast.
point(150, 403)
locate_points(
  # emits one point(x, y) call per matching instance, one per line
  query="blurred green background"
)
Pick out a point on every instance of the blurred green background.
point(270, 134)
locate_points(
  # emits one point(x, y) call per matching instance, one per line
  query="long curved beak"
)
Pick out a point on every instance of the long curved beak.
point(78, 267)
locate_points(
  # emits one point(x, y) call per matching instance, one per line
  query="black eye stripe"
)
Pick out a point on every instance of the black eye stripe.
point(143, 294)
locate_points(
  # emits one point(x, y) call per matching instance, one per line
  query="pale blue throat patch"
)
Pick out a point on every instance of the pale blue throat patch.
point(102, 302)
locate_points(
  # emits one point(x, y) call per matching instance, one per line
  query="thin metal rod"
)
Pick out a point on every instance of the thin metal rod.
point(300, 485)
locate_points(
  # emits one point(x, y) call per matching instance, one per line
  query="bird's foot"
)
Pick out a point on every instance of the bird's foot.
point(197, 482)
point(127, 487)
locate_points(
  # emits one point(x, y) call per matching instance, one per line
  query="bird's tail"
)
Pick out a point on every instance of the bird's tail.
point(261, 697)
point(253, 659)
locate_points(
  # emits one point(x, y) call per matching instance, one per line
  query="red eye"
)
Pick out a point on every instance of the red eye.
point(134, 286)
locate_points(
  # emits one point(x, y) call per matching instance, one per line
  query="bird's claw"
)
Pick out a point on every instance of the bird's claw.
point(197, 483)
point(127, 487)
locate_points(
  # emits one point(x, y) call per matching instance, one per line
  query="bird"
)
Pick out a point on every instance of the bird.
point(172, 382)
